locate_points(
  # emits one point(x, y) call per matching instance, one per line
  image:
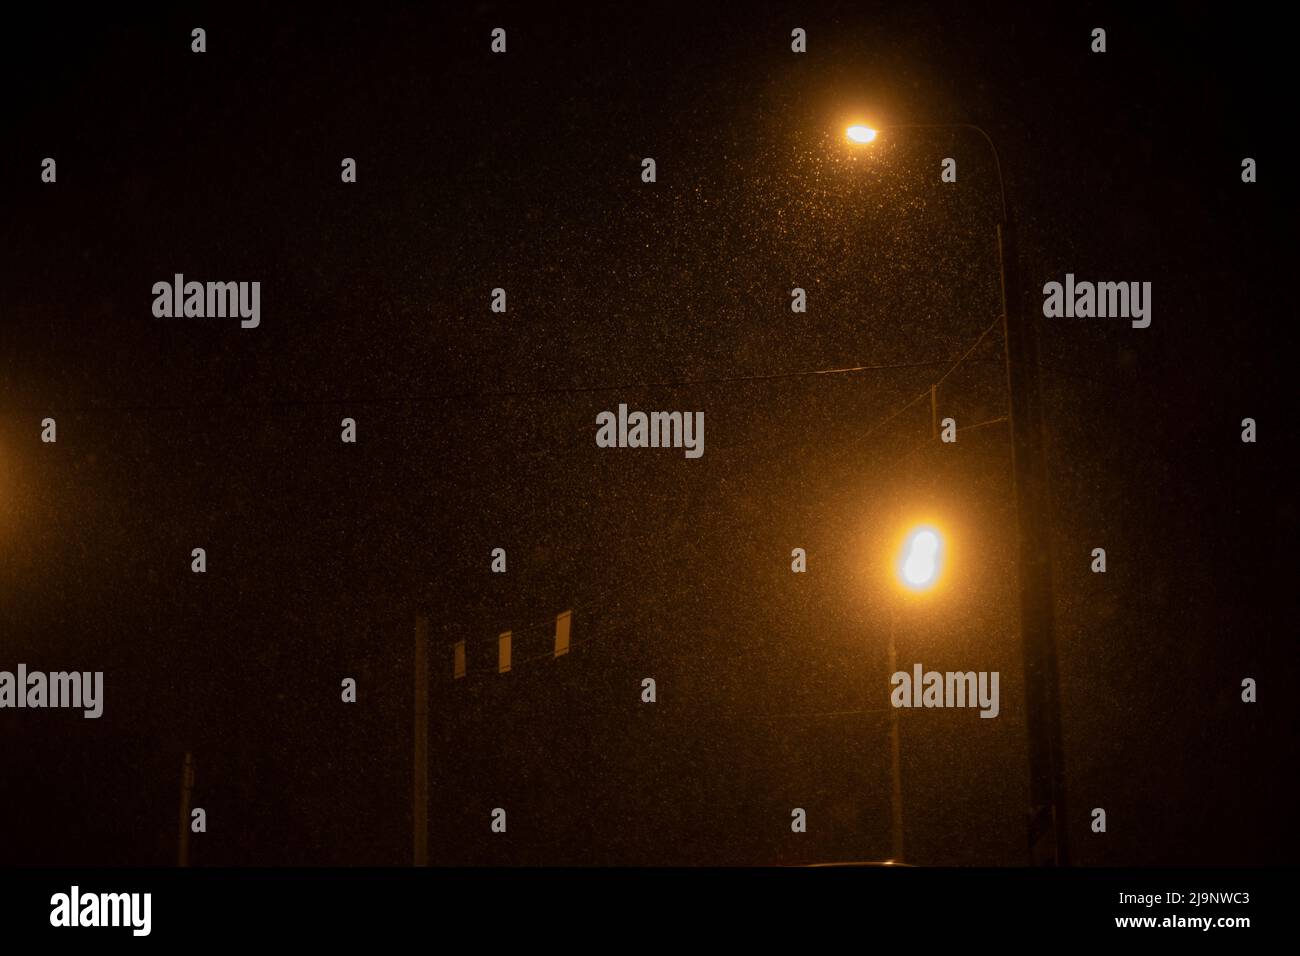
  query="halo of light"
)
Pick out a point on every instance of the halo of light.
point(922, 558)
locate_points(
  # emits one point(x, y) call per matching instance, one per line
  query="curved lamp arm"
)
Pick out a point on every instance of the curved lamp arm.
point(997, 160)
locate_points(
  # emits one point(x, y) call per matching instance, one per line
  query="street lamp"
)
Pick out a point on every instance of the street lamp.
point(1047, 814)
point(919, 566)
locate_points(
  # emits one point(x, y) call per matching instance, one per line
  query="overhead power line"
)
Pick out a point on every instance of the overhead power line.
point(474, 396)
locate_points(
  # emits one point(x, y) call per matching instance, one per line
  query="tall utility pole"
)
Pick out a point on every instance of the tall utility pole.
point(1047, 814)
point(1047, 818)
point(420, 788)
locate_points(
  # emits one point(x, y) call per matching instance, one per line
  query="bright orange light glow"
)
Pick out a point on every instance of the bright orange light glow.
point(922, 558)
point(861, 134)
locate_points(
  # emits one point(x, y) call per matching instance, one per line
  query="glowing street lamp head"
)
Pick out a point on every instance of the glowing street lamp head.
point(922, 554)
point(861, 134)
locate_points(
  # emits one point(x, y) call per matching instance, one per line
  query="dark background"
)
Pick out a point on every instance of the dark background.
point(476, 431)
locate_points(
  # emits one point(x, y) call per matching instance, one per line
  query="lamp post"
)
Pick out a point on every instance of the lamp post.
point(918, 571)
point(895, 757)
point(1047, 815)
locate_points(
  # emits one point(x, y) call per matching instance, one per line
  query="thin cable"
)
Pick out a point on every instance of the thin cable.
point(619, 598)
point(617, 604)
point(931, 439)
point(983, 335)
point(920, 395)
point(468, 396)
point(830, 713)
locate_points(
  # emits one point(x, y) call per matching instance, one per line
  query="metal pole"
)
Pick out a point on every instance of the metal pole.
point(1047, 814)
point(1047, 808)
point(895, 757)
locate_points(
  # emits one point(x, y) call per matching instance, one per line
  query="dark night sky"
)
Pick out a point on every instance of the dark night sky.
point(523, 171)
